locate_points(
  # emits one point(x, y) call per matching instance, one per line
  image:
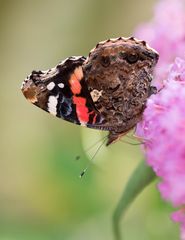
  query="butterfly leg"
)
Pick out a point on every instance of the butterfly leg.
point(115, 136)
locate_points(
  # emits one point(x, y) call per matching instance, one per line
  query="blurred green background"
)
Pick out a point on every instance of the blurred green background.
point(41, 195)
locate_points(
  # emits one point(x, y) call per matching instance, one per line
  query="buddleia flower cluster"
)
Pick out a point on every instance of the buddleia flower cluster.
point(163, 124)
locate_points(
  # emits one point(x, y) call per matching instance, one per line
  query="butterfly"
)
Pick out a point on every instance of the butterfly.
point(108, 90)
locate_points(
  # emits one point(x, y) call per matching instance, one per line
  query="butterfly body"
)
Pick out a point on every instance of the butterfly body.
point(107, 90)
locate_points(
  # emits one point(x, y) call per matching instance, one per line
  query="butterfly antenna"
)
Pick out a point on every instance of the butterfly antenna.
point(91, 147)
point(94, 144)
point(91, 160)
point(83, 172)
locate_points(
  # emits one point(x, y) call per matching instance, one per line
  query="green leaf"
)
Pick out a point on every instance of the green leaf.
point(142, 176)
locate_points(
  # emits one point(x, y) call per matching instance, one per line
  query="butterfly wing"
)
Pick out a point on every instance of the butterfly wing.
point(62, 91)
point(107, 91)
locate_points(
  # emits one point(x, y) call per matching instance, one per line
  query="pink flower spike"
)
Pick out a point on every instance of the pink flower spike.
point(164, 117)
point(164, 125)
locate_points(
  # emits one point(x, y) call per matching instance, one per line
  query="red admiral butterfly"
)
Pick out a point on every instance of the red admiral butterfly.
point(107, 90)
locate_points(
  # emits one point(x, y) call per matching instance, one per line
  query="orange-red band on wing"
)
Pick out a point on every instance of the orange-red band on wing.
point(75, 84)
point(81, 109)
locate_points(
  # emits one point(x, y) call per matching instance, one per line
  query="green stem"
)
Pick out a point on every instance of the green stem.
point(141, 177)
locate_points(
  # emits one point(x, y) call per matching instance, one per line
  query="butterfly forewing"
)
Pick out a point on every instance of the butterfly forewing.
point(62, 92)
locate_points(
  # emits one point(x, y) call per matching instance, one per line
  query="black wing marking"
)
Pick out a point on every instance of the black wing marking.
point(62, 91)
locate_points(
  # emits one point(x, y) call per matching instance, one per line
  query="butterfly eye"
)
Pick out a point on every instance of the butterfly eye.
point(132, 58)
point(105, 61)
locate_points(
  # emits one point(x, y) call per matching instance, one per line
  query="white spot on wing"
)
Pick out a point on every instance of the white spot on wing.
point(61, 85)
point(70, 58)
point(50, 86)
point(150, 48)
point(75, 57)
point(113, 39)
point(63, 61)
point(52, 104)
point(83, 124)
point(102, 42)
point(95, 94)
point(25, 81)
